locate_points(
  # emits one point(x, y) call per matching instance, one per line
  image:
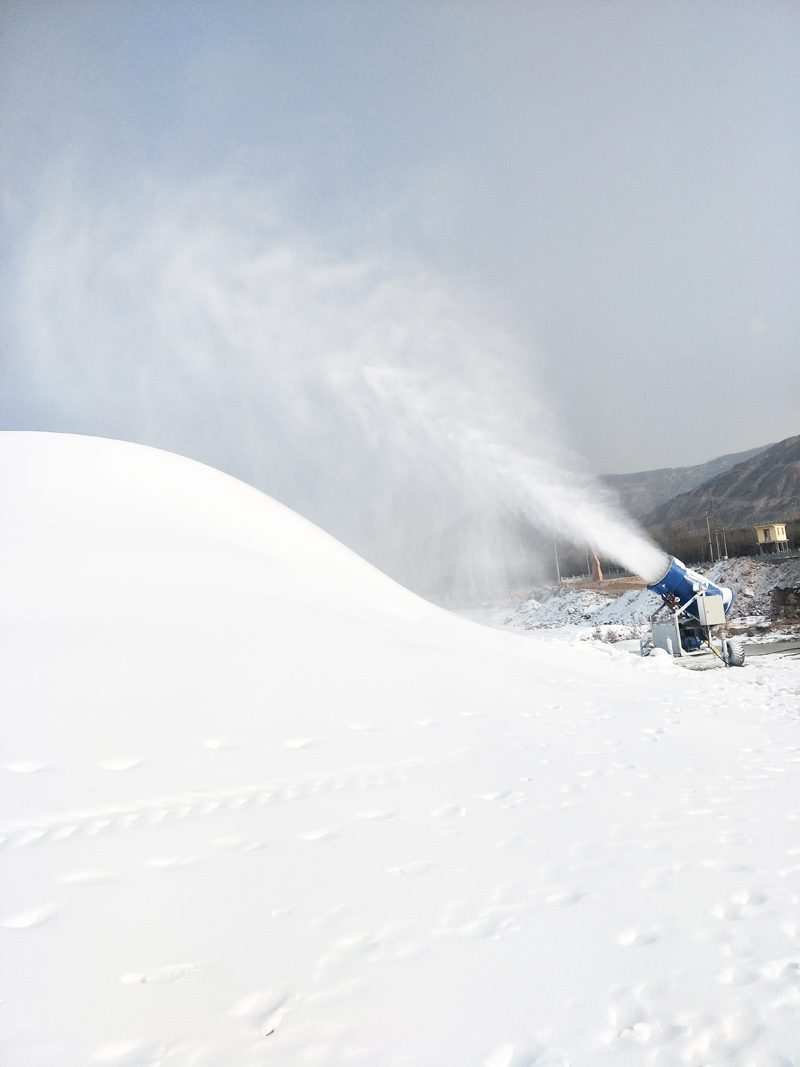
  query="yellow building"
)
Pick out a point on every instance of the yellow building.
point(772, 538)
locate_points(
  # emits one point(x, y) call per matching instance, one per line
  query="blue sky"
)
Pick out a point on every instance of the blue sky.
point(612, 186)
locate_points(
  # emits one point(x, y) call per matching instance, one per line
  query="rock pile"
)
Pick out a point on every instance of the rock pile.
point(763, 593)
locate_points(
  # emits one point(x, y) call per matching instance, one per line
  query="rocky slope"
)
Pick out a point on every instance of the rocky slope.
point(641, 492)
point(764, 488)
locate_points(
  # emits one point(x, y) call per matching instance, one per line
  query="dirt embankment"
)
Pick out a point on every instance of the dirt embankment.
point(786, 604)
point(611, 586)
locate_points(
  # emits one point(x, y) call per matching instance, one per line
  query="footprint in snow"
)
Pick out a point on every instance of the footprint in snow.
point(99, 826)
point(88, 878)
point(639, 935)
point(449, 811)
point(227, 842)
point(739, 974)
point(30, 837)
point(626, 1012)
point(511, 1056)
point(488, 927)
point(263, 1011)
point(734, 837)
point(572, 787)
point(219, 744)
point(124, 764)
point(320, 835)
point(566, 897)
point(417, 868)
point(170, 863)
point(26, 920)
point(26, 767)
point(741, 905)
point(237, 843)
point(130, 1054)
point(162, 975)
point(299, 742)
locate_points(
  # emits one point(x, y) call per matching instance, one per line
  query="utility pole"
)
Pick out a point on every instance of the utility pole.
point(710, 546)
point(558, 571)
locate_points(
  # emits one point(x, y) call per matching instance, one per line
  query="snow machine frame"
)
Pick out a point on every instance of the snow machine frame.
point(685, 629)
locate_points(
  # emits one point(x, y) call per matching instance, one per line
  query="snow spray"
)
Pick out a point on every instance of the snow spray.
point(383, 402)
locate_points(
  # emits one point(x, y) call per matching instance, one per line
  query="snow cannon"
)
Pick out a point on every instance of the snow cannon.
point(691, 590)
point(692, 608)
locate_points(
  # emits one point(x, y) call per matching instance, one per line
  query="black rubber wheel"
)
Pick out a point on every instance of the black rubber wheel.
point(735, 649)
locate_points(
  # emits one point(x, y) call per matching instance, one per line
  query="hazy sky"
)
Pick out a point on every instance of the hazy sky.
point(593, 205)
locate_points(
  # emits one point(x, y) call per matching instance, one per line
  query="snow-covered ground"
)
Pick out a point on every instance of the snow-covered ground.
point(263, 806)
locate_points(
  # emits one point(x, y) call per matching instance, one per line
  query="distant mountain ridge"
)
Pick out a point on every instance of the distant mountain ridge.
point(763, 488)
point(642, 492)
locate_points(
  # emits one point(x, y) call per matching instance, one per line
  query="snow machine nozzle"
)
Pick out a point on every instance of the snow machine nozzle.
point(682, 585)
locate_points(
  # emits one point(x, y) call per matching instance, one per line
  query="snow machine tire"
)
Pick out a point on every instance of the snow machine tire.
point(735, 653)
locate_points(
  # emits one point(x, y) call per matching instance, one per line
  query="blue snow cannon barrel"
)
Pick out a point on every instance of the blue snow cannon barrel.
point(684, 584)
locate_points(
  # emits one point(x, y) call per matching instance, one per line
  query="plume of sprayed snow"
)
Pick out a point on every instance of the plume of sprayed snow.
point(366, 393)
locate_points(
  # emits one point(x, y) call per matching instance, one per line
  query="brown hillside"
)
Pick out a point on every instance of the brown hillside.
point(764, 488)
point(640, 493)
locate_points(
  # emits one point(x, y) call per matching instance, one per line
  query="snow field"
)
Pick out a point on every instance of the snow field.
point(263, 806)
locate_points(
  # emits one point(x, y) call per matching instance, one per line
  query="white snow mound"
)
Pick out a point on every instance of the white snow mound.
point(261, 805)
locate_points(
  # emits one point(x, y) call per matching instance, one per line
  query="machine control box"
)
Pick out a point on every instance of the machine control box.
point(710, 610)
